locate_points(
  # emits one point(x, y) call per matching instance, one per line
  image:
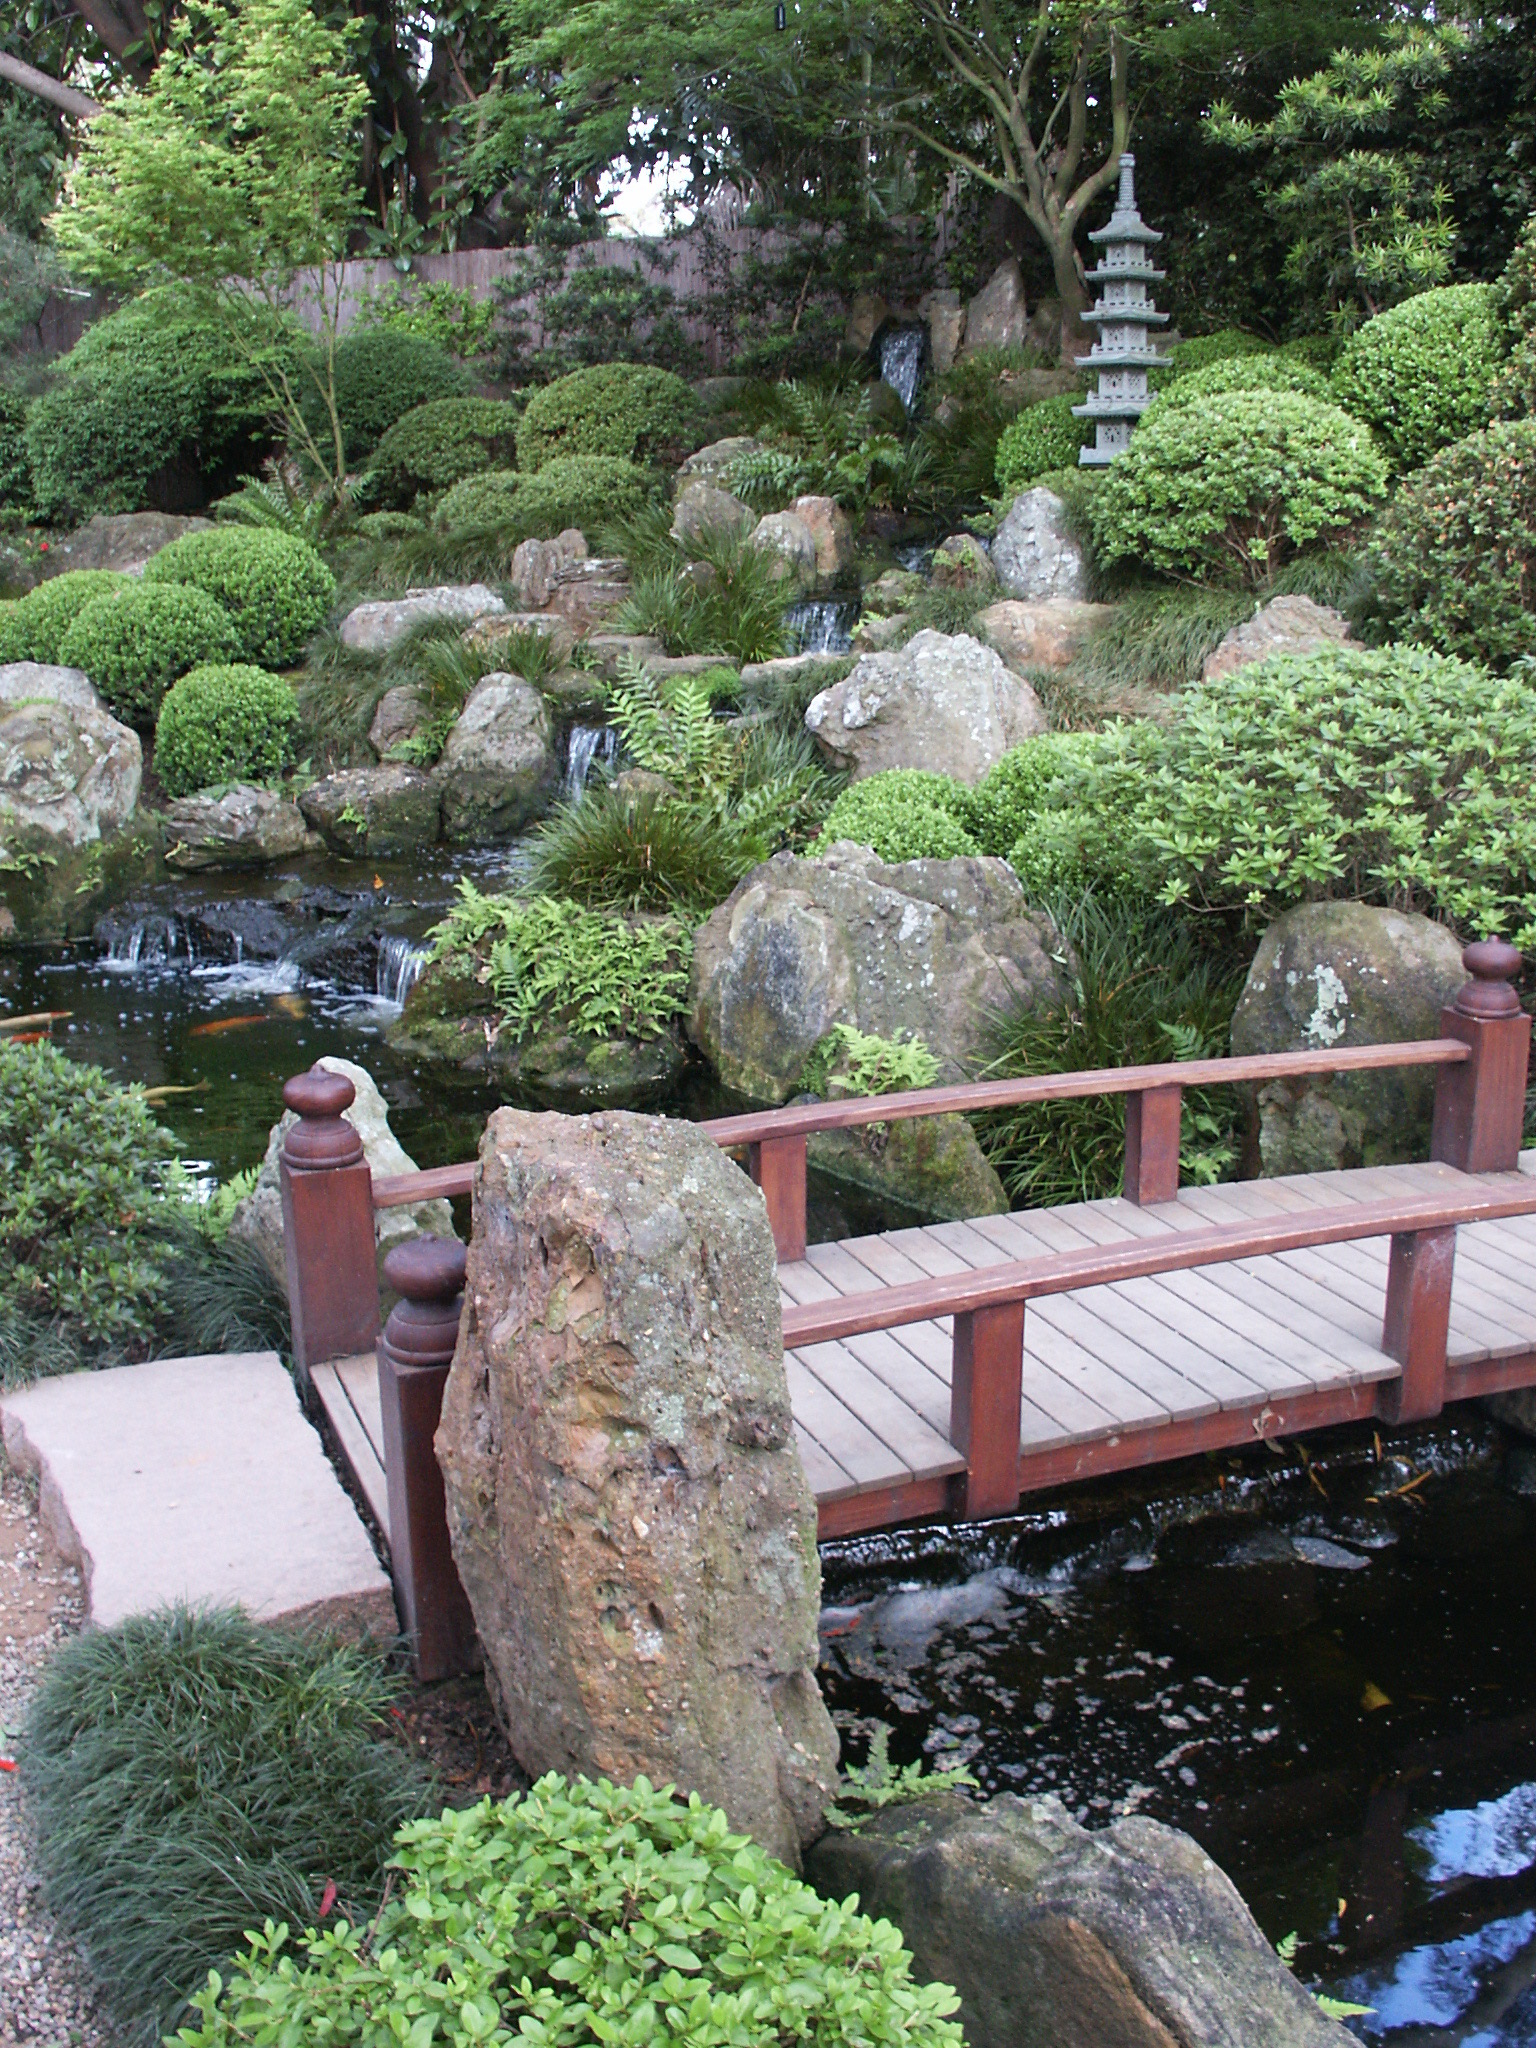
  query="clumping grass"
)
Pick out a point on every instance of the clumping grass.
point(195, 1774)
point(943, 609)
point(726, 597)
point(340, 689)
point(1145, 986)
point(641, 851)
point(463, 554)
point(221, 1298)
point(1158, 638)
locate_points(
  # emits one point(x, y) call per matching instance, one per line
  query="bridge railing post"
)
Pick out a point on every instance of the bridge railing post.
point(1152, 1117)
point(1480, 1102)
point(328, 1236)
point(778, 1167)
point(415, 1353)
point(985, 1391)
point(1416, 1327)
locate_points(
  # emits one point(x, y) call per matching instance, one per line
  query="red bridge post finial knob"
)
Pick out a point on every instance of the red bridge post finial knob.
point(1493, 965)
point(322, 1136)
point(428, 1273)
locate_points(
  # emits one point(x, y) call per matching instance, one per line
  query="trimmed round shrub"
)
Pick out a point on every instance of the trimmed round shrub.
point(37, 623)
point(1014, 790)
point(1317, 351)
point(1236, 483)
point(1045, 436)
point(1269, 371)
point(1514, 306)
point(381, 375)
point(274, 587)
point(1454, 554)
point(15, 463)
point(224, 723)
point(588, 491)
point(1220, 347)
point(134, 643)
point(903, 814)
point(389, 525)
point(436, 445)
point(623, 409)
point(150, 408)
point(1422, 372)
point(585, 1912)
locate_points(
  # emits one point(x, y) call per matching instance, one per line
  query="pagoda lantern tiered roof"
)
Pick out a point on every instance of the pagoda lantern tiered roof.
point(1123, 313)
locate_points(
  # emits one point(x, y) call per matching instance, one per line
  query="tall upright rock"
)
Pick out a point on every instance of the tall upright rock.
point(628, 1511)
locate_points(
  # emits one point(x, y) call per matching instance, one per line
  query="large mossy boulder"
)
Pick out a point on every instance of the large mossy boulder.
point(383, 810)
point(1335, 974)
point(943, 702)
point(500, 763)
point(932, 1165)
point(1126, 1938)
point(926, 947)
point(628, 1512)
point(69, 786)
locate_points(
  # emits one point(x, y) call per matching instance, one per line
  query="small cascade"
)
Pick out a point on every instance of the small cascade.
point(148, 942)
point(399, 964)
point(822, 625)
point(903, 359)
point(584, 745)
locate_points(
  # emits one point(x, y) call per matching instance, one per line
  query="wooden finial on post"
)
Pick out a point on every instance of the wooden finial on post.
point(415, 1353)
point(1480, 1103)
point(328, 1240)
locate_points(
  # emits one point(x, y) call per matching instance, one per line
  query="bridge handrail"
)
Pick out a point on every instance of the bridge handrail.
point(802, 1119)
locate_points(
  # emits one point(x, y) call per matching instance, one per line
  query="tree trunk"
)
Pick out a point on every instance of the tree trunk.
point(1076, 337)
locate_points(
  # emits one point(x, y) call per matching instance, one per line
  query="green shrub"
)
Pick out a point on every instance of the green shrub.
point(15, 463)
point(275, 589)
point(1235, 483)
point(224, 724)
point(152, 407)
point(903, 814)
point(1454, 554)
point(584, 1912)
point(82, 1204)
point(381, 375)
point(556, 964)
point(1044, 437)
point(34, 628)
point(1268, 370)
point(622, 409)
point(847, 1061)
point(579, 490)
point(135, 642)
point(1141, 991)
point(1012, 793)
point(1422, 372)
point(1083, 835)
point(1202, 349)
point(437, 445)
point(1513, 298)
point(389, 525)
point(197, 1774)
point(1423, 796)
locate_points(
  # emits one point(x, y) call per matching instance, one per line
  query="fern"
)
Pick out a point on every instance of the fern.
point(670, 728)
point(871, 1786)
point(280, 502)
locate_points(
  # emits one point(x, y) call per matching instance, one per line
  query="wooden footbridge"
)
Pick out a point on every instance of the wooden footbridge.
point(950, 1369)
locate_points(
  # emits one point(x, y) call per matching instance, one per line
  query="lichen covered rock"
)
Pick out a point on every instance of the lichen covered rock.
point(943, 702)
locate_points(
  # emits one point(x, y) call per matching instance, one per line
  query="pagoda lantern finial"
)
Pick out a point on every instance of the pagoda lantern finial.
point(1123, 314)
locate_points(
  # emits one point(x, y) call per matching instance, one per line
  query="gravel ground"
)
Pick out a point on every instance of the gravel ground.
point(45, 1994)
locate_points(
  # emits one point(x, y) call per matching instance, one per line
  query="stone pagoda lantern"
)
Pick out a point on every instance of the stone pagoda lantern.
point(1123, 352)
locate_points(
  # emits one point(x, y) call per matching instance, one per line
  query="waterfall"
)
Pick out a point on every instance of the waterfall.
point(149, 941)
point(400, 962)
point(584, 745)
point(822, 625)
point(903, 358)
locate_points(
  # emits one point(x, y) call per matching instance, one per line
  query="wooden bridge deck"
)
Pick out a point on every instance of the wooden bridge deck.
point(1121, 1374)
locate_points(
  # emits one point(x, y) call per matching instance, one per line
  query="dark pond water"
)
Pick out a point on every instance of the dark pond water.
point(1328, 1676)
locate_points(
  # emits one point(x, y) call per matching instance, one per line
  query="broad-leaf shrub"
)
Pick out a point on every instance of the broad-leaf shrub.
point(586, 491)
point(1045, 436)
point(622, 409)
point(1236, 483)
point(1514, 303)
point(194, 1774)
point(903, 814)
point(152, 407)
point(1422, 372)
point(34, 628)
point(584, 1912)
point(553, 964)
point(381, 375)
point(15, 463)
point(1220, 347)
point(224, 723)
point(1454, 554)
point(82, 1165)
point(436, 445)
point(1265, 370)
point(133, 643)
point(275, 588)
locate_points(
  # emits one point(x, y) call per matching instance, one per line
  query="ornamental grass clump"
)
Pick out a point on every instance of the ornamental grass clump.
point(582, 1913)
point(1235, 484)
point(195, 1775)
point(1422, 373)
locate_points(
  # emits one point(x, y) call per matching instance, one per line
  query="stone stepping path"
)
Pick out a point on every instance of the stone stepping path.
point(198, 1480)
